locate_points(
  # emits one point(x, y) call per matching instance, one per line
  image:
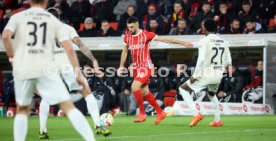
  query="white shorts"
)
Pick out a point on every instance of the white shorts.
point(50, 88)
point(201, 84)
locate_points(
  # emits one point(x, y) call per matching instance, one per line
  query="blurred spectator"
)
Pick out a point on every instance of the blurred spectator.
point(13, 4)
point(6, 18)
point(195, 8)
point(258, 77)
point(106, 30)
point(142, 5)
point(234, 27)
point(186, 4)
point(230, 89)
point(247, 14)
point(104, 92)
point(155, 28)
point(127, 100)
point(122, 7)
point(253, 27)
point(152, 14)
point(102, 11)
point(272, 28)
point(206, 13)
point(89, 30)
point(177, 14)
point(178, 79)
point(64, 7)
point(165, 8)
point(181, 28)
point(224, 18)
point(131, 11)
point(80, 10)
point(63, 18)
point(8, 91)
point(24, 4)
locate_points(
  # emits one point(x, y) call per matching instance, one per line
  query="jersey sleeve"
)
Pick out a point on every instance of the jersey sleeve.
point(150, 36)
point(228, 58)
point(73, 33)
point(60, 34)
point(11, 24)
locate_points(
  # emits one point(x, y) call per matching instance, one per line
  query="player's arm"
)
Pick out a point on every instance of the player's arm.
point(173, 41)
point(85, 51)
point(200, 60)
point(7, 41)
point(72, 55)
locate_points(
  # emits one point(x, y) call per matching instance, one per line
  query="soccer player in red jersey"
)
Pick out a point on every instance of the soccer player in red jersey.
point(138, 41)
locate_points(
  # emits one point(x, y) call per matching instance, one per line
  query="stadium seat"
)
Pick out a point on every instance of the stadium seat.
point(17, 11)
point(82, 26)
point(1, 14)
point(271, 22)
point(114, 25)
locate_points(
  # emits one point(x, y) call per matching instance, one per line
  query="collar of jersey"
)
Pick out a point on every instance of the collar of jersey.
point(138, 33)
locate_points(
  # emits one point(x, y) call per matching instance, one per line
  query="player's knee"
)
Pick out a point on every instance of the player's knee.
point(134, 87)
point(22, 110)
point(185, 87)
point(66, 106)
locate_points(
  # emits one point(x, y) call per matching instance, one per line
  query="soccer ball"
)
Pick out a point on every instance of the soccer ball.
point(169, 111)
point(106, 119)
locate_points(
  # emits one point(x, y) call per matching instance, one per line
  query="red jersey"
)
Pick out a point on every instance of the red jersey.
point(139, 48)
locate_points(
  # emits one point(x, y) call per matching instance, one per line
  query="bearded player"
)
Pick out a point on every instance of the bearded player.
point(138, 41)
point(213, 57)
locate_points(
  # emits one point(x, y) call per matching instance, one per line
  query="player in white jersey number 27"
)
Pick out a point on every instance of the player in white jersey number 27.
point(61, 60)
point(213, 57)
point(36, 32)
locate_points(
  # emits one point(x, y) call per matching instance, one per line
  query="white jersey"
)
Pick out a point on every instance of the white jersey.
point(213, 57)
point(61, 58)
point(36, 32)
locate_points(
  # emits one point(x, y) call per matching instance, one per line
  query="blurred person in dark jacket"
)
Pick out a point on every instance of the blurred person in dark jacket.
point(154, 27)
point(223, 18)
point(230, 89)
point(64, 6)
point(179, 78)
point(122, 7)
point(106, 30)
point(266, 10)
point(102, 11)
point(253, 27)
point(80, 11)
point(127, 100)
point(152, 14)
point(247, 14)
point(7, 15)
point(234, 27)
point(131, 11)
point(142, 5)
point(258, 77)
point(104, 92)
point(206, 13)
point(181, 29)
point(89, 30)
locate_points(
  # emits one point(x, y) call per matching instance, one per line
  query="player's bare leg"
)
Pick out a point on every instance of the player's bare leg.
point(20, 125)
point(185, 92)
point(77, 120)
point(151, 99)
point(136, 88)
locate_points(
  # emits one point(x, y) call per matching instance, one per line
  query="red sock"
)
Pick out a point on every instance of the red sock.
point(140, 101)
point(151, 99)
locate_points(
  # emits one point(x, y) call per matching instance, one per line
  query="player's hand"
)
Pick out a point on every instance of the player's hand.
point(188, 44)
point(192, 80)
point(221, 94)
point(81, 79)
point(121, 70)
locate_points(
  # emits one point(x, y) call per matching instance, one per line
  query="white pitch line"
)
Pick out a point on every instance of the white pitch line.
point(172, 134)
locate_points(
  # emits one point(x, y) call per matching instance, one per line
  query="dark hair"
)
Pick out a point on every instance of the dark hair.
point(235, 20)
point(53, 11)
point(182, 19)
point(132, 19)
point(210, 25)
point(104, 21)
point(246, 2)
point(177, 2)
point(153, 19)
point(132, 7)
point(37, 1)
point(223, 3)
point(206, 3)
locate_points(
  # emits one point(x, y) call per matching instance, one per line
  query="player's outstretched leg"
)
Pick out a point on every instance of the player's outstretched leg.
point(188, 99)
point(44, 108)
point(217, 122)
point(78, 120)
point(160, 113)
point(20, 125)
point(93, 109)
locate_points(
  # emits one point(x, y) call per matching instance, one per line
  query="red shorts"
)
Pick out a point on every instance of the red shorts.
point(142, 74)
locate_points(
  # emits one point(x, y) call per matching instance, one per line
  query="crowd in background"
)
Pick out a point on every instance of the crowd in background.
point(173, 17)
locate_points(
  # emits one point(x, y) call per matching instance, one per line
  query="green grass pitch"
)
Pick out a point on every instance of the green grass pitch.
point(236, 128)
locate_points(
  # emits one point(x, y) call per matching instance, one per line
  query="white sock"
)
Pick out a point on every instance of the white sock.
point(215, 101)
point(76, 97)
point(188, 99)
point(93, 109)
point(44, 108)
point(80, 124)
point(20, 127)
